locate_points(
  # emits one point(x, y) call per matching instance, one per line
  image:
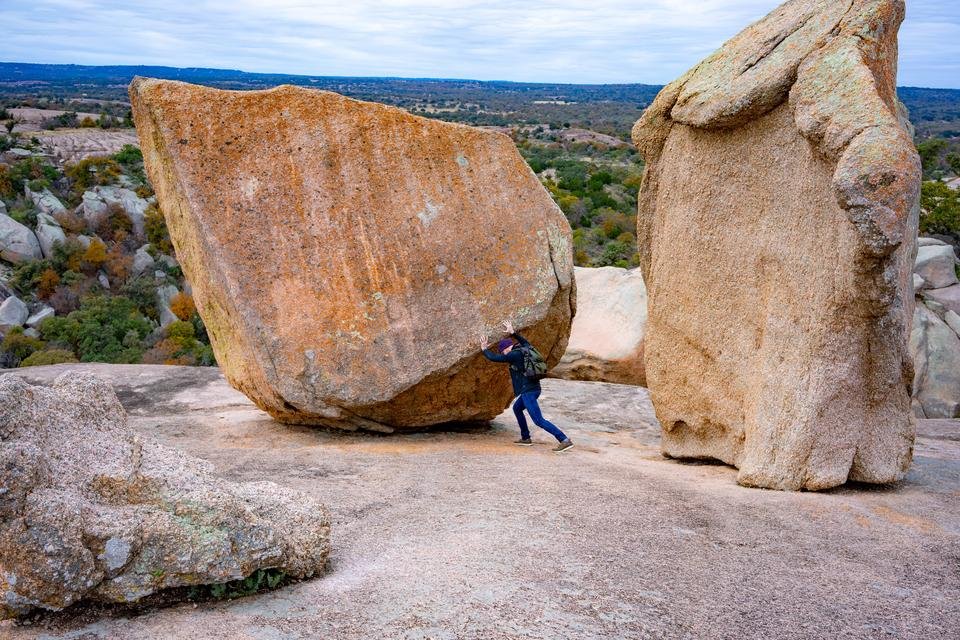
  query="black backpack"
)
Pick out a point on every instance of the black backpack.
point(534, 366)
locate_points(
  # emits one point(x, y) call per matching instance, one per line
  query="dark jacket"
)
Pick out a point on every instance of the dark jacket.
point(521, 383)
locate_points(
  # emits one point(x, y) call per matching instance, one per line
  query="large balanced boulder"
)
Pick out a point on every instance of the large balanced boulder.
point(91, 511)
point(606, 340)
point(776, 232)
point(345, 255)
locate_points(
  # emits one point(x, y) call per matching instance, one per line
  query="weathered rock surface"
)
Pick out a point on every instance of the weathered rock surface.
point(936, 264)
point(49, 234)
point(13, 313)
point(17, 242)
point(606, 339)
point(142, 260)
point(92, 511)
point(936, 351)
point(642, 547)
point(948, 297)
point(345, 255)
point(165, 294)
point(40, 315)
point(46, 202)
point(776, 226)
point(928, 242)
point(97, 202)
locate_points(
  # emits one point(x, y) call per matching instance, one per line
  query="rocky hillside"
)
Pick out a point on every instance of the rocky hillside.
point(86, 266)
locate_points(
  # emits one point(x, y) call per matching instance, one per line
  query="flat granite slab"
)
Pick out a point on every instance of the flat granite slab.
point(463, 535)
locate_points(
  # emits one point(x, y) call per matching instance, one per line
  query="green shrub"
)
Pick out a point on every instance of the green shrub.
point(103, 329)
point(32, 169)
point(24, 213)
point(941, 208)
point(95, 170)
point(156, 230)
point(259, 580)
point(128, 156)
point(143, 292)
point(38, 184)
point(180, 346)
point(16, 347)
point(48, 356)
point(27, 275)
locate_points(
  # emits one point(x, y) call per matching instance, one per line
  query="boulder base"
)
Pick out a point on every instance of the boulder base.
point(345, 256)
point(776, 225)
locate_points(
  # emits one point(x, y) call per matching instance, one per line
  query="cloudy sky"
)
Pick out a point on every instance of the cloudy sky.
point(649, 41)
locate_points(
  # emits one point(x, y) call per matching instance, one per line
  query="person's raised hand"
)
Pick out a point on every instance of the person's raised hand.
point(508, 326)
point(483, 342)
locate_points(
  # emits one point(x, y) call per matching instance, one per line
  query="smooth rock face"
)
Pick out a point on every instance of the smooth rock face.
point(13, 313)
point(606, 340)
point(345, 255)
point(165, 294)
point(17, 242)
point(49, 234)
point(948, 298)
point(936, 351)
point(92, 511)
point(776, 225)
point(46, 202)
point(41, 315)
point(936, 264)
point(142, 261)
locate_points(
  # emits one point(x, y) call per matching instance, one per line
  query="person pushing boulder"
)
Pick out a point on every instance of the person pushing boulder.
point(527, 366)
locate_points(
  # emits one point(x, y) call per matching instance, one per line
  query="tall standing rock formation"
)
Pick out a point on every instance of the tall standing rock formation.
point(776, 227)
point(345, 255)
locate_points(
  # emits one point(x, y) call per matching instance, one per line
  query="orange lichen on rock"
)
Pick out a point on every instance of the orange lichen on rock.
point(345, 255)
point(775, 228)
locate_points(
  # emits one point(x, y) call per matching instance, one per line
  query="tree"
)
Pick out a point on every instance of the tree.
point(940, 207)
point(95, 255)
point(182, 306)
point(953, 159)
point(930, 151)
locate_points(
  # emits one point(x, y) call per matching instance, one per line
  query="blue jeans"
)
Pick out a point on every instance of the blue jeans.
point(528, 401)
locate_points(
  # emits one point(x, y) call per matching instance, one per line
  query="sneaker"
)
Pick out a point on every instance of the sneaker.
point(563, 446)
point(523, 442)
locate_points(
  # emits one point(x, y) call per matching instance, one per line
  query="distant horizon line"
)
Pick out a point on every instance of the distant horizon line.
point(439, 79)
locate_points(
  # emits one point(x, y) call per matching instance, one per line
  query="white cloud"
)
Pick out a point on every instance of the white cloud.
point(537, 40)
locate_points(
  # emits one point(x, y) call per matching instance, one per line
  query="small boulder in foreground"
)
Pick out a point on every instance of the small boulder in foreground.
point(90, 511)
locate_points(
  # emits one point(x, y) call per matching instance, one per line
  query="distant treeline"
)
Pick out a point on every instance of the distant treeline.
point(607, 108)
